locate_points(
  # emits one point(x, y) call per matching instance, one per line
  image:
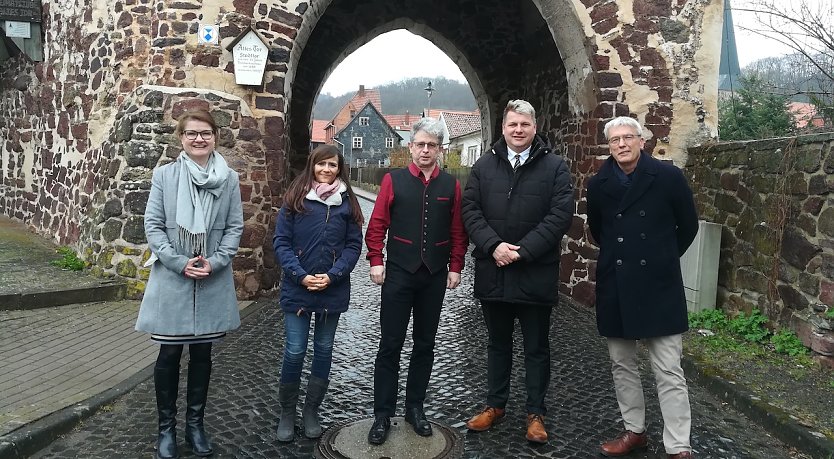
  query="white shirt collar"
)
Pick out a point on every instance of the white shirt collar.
point(524, 155)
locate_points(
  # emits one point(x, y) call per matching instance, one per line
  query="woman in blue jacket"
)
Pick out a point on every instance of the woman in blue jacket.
point(318, 237)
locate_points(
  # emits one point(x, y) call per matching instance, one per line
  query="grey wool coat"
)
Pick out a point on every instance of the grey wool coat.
point(173, 304)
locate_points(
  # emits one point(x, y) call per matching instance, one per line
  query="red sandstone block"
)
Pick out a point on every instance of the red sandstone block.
point(822, 343)
point(827, 292)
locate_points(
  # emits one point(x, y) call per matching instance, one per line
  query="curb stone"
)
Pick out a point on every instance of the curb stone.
point(772, 418)
point(105, 291)
point(28, 439)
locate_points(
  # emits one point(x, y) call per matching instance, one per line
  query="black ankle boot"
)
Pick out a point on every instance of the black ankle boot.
point(197, 393)
point(165, 382)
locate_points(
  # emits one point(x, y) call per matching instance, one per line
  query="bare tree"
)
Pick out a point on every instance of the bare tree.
point(807, 28)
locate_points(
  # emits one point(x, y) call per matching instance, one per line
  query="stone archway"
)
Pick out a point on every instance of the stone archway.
point(580, 62)
point(505, 50)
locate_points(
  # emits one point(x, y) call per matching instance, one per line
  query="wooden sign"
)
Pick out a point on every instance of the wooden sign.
point(250, 53)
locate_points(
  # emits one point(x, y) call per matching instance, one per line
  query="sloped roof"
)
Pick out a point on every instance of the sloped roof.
point(433, 113)
point(729, 70)
point(805, 113)
point(373, 107)
point(402, 122)
point(363, 96)
point(462, 123)
point(317, 133)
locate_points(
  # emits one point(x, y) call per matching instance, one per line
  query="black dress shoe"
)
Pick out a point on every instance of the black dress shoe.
point(379, 431)
point(417, 419)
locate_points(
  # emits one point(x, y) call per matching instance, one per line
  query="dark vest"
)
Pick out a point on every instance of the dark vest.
point(421, 217)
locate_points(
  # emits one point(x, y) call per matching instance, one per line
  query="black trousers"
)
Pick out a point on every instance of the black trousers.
point(403, 293)
point(535, 328)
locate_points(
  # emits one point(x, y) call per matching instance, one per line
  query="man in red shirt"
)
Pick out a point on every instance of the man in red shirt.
point(419, 209)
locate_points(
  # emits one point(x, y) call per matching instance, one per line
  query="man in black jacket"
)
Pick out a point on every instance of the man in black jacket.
point(642, 215)
point(517, 205)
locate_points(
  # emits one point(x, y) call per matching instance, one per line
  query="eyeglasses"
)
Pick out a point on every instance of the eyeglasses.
point(627, 138)
point(421, 145)
point(192, 135)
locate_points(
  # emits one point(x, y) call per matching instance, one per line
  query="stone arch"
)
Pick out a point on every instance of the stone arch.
point(518, 56)
point(425, 31)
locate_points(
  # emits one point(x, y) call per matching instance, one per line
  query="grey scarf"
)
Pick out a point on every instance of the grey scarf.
point(197, 191)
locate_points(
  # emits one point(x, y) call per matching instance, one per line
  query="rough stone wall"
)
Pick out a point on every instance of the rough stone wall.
point(76, 129)
point(580, 62)
point(113, 235)
point(775, 201)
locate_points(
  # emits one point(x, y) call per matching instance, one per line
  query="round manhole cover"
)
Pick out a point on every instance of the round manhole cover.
point(349, 440)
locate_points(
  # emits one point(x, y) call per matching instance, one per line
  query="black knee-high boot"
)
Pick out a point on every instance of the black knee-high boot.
point(316, 387)
point(197, 393)
point(165, 382)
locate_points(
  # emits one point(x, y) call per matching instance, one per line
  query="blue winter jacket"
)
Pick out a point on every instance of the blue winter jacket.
point(324, 239)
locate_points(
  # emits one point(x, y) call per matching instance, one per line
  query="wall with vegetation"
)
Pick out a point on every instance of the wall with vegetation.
point(775, 200)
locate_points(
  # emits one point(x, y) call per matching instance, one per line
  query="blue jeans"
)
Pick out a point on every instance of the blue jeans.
point(295, 348)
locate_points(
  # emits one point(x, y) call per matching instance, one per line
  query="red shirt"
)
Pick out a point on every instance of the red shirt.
point(381, 219)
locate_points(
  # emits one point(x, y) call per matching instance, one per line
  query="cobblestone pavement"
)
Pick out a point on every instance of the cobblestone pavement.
point(243, 405)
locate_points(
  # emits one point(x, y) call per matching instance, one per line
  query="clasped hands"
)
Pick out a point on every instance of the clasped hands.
point(316, 282)
point(505, 254)
point(197, 268)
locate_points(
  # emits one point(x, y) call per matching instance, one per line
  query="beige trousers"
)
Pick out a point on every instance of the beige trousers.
point(665, 355)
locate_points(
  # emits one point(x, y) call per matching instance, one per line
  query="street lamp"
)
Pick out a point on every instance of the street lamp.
point(429, 90)
point(350, 163)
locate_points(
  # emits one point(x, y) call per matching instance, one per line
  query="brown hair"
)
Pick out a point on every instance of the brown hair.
point(294, 196)
point(196, 115)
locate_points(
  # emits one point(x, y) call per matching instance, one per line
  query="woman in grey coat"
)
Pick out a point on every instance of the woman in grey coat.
point(193, 223)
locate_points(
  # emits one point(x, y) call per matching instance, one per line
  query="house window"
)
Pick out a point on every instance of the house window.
point(473, 150)
point(357, 142)
point(363, 120)
point(389, 142)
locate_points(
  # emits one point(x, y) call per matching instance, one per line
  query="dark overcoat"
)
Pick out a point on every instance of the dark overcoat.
point(323, 240)
point(531, 207)
point(642, 230)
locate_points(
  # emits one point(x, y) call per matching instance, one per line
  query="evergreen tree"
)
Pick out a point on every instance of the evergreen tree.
point(753, 113)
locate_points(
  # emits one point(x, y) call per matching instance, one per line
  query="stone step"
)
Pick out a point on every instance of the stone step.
point(106, 290)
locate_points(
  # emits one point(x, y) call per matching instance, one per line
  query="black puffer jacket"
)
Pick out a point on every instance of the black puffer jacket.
point(532, 208)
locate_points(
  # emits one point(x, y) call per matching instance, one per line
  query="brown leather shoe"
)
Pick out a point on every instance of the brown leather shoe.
point(535, 429)
point(682, 455)
point(485, 419)
point(627, 442)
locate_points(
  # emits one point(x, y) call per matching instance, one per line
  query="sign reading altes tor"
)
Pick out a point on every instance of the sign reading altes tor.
point(20, 10)
point(250, 52)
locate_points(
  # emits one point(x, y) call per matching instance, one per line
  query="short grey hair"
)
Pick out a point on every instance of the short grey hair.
point(623, 121)
point(520, 106)
point(430, 126)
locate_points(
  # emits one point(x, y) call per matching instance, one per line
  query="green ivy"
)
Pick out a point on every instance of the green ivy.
point(786, 342)
point(830, 313)
point(69, 260)
point(751, 328)
point(711, 319)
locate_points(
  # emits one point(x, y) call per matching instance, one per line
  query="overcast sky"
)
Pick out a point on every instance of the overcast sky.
point(366, 67)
